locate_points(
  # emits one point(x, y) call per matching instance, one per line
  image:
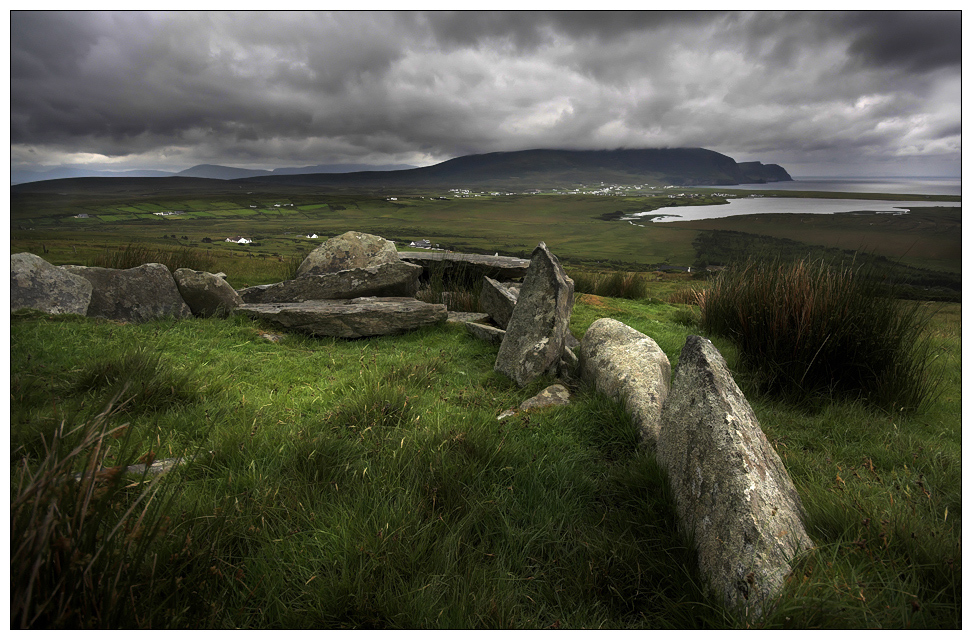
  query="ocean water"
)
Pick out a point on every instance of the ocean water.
point(912, 186)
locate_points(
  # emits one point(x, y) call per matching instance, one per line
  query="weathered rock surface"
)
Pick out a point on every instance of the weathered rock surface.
point(348, 318)
point(556, 395)
point(475, 266)
point(391, 280)
point(498, 301)
point(206, 293)
point(142, 293)
point(535, 335)
point(351, 250)
point(37, 284)
point(467, 316)
point(732, 492)
point(485, 332)
point(627, 365)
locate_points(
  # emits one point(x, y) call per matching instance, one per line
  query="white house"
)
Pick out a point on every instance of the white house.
point(313, 235)
point(421, 244)
point(238, 240)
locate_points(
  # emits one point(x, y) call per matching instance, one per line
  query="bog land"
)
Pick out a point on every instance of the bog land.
point(73, 225)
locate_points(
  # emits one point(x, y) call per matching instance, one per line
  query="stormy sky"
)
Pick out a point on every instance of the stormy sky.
point(827, 93)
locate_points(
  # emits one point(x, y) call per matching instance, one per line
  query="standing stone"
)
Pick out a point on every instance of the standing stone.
point(627, 365)
point(498, 301)
point(535, 334)
point(138, 294)
point(37, 284)
point(206, 294)
point(351, 250)
point(732, 493)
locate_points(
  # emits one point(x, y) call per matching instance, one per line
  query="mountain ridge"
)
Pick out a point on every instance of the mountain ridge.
point(533, 168)
point(211, 171)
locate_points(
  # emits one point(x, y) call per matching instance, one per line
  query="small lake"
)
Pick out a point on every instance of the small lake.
point(750, 206)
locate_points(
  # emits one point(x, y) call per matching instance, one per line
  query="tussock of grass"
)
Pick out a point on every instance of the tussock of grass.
point(451, 284)
point(807, 328)
point(618, 284)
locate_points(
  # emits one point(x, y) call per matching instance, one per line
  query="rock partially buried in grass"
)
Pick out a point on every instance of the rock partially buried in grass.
point(629, 366)
point(37, 284)
point(356, 318)
point(732, 493)
point(493, 335)
point(535, 336)
point(556, 395)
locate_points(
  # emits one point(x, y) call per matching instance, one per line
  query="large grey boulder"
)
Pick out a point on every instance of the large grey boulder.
point(142, 293)
point(348, 318)
point(732, 493)
point(627, 365)
point(351, 250)
point(206, 294)
point(468, 266)
point(534, 339)
point(390, 280)
point(498, 301)
point(37, 284)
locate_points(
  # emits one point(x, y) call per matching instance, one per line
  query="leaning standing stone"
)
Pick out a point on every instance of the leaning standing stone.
point(732, 493)
point(535, 335)
point(498, 301)
point(206, 294)
point(37, 284)
point(627, 365)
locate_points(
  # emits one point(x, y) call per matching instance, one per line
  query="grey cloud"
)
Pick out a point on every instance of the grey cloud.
point(394, 86)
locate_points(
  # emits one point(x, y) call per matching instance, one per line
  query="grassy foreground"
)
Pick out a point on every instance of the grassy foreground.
point(368, 484)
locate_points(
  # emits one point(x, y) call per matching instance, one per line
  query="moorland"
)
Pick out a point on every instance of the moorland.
point(368, 483)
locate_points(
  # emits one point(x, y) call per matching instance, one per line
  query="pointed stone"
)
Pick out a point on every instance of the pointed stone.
point(535, 335)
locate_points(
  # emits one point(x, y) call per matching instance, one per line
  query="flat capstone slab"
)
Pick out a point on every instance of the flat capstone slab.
point(356, 318)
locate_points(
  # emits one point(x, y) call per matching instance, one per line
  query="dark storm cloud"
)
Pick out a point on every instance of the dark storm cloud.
point(274, 89)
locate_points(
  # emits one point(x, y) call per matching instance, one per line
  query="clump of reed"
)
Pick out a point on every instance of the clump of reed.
point(617, 284)
point(687, 295)
point(807, 328)
point(81, 531)
point(134, 255)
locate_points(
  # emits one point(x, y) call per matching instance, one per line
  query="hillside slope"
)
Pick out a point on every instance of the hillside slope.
point(540, 168)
